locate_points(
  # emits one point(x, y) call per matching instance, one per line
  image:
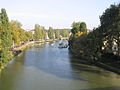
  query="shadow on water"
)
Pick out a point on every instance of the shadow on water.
point(50, 59)
point(105, 88)
point(53, 62)
point(77, 66)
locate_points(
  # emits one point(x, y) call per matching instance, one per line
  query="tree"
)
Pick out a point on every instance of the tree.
point(110, 27)
point(29, 35)
point(57, 34)
point(43, 32)
point(75, 27)
point(0, 37)
point(22, 36)
point(18, 34)
point(65, 33)
point(79, 28)
point(15, 32)
point(83, 27)
point(39, 32)
point(51, 33)
point(6, 31)
point(92, 45)
point(6, 37)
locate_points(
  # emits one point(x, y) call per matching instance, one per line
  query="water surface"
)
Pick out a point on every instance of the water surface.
point(47, 67)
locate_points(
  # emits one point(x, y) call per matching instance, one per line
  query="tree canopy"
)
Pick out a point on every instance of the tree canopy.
point(39, 32)
point(6, 37)
point(51, 33)
point(57, 34)
point(101, 40)
point(83, 27)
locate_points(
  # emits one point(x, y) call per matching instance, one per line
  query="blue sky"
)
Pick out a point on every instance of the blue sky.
point(55, 13)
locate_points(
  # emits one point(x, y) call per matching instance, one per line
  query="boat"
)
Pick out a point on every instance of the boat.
point(62, 45)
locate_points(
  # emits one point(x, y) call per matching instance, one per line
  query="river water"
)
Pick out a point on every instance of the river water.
point(47, 67)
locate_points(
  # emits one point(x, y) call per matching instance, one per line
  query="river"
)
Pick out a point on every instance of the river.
point(47, 67)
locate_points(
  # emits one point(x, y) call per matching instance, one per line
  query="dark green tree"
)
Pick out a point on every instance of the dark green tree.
point(6, 38)
point(110, 26)
point(75, 27)
point(101, 40)
point(83, 27)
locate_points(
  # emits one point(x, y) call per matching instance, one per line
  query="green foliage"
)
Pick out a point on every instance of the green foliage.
point(87, 46)
point(18, 34)
point(78, 27)
point(22, 36)
point(65, 33)
point(5, 38)
point(39, 32)
point(75, 27)
point(29, 35)
point(10, 33)
point(43, 33)
point(90, 46)
point(110, 26)
point(15, 32)
point(83, 27)
point(57, 34)
point(6, 31)
point(51, 33)
point(0, 37)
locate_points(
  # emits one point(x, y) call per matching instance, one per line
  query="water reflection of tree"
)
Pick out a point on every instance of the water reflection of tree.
point(12, 73)
point(97, 78)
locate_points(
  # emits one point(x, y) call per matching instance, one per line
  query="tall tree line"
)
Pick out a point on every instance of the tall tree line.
point(58, 33)
point(19, 35)
point(11, 34)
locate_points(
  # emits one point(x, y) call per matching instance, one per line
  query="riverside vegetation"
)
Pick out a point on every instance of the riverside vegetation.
point(102, 44)
point(12, 35)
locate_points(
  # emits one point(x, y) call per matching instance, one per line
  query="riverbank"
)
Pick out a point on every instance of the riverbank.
point(19, 49)
point(105, 63)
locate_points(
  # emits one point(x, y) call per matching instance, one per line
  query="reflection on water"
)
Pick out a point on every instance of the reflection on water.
point(47, 67)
